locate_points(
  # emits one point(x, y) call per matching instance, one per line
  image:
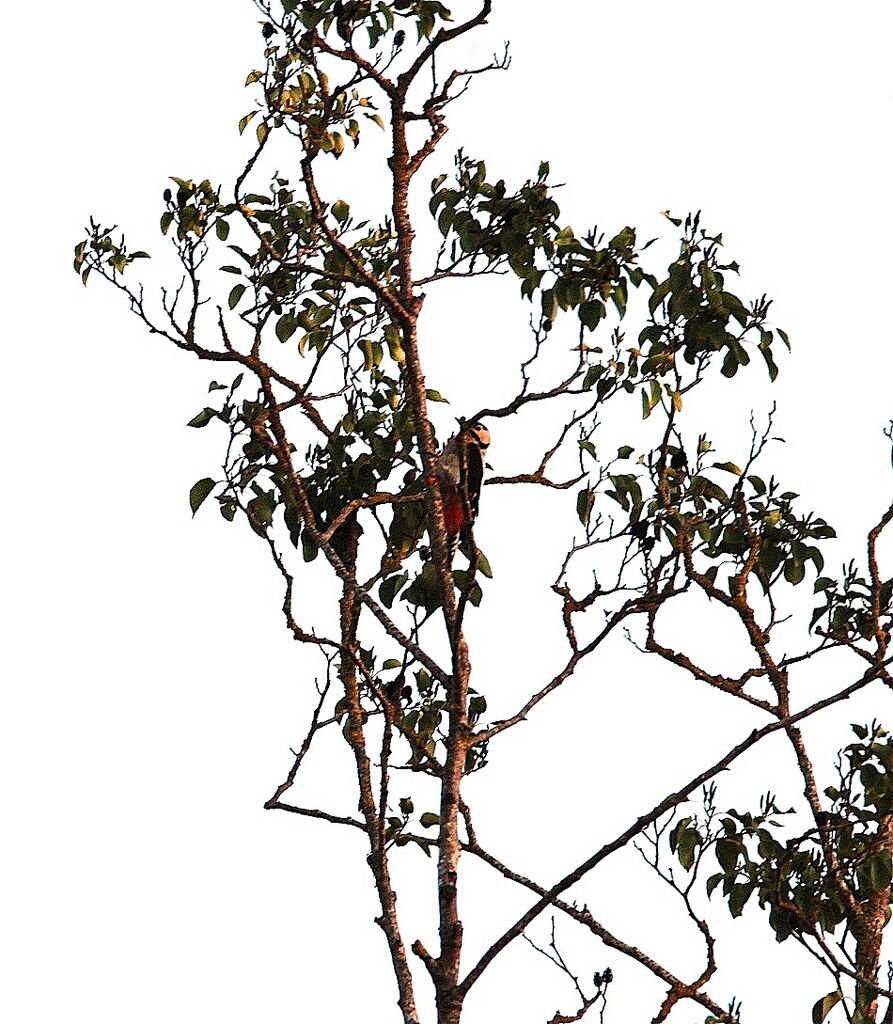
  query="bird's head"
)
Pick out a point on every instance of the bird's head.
point(478, 435)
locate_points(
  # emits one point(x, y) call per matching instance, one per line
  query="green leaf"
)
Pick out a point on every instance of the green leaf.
point(727, 854)
point(483, 565)
point(477, 706)
point(624, 239)
point(730, 364)
point(436, 396)
point(309, 548)
point(235, 295)
point(390, 588)
point(585, 501)
point(738, 897)
point(429, 819)
point(466, 584)
point(203, 418)
point(592, 375)
point(590, 313)
point(336, 143)
point(286, 327)
point(199, 491)
point(830, 915)
point(824, 1006)
point(261, 509)
point(876, 873)
point(650, 398)
point(770, 362)
point(424, 589)
point(783, 922)
point(794, 571)
point(340, 211)
point(423, 844)
point(661, 291)
point(686, 843)
point(735, 306)
point(292, 519)
point(624, 451)
point(677, 830)
point(222, 229)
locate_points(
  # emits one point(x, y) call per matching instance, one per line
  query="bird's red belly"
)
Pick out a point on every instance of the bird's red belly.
point(453, 516)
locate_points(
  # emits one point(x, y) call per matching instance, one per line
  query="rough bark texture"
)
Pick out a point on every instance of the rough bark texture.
point(868, 929)
point(346, 544)
point(445, 968)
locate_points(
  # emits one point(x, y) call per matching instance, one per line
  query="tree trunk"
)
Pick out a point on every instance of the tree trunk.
point(346, 542)
point(869, 933)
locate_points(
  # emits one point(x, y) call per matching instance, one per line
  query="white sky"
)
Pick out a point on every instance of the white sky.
point(151, 694)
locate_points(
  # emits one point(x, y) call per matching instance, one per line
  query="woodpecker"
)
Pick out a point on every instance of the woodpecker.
point(460, 473)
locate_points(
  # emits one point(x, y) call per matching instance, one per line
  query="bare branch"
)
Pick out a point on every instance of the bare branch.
point(671, 800)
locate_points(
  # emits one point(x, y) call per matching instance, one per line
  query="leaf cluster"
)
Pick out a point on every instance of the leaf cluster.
point(820, 880)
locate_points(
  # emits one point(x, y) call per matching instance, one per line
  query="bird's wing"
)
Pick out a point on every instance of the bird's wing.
point(474, 477)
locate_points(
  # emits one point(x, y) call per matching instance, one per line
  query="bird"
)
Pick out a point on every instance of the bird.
point(459, 474)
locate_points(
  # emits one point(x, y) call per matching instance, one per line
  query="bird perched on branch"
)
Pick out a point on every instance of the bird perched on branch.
point(459, 475)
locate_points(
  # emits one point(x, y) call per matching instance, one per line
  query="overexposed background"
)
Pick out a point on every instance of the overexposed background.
point(151, 693)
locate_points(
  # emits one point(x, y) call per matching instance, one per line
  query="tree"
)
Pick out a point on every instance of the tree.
point(331, 459)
